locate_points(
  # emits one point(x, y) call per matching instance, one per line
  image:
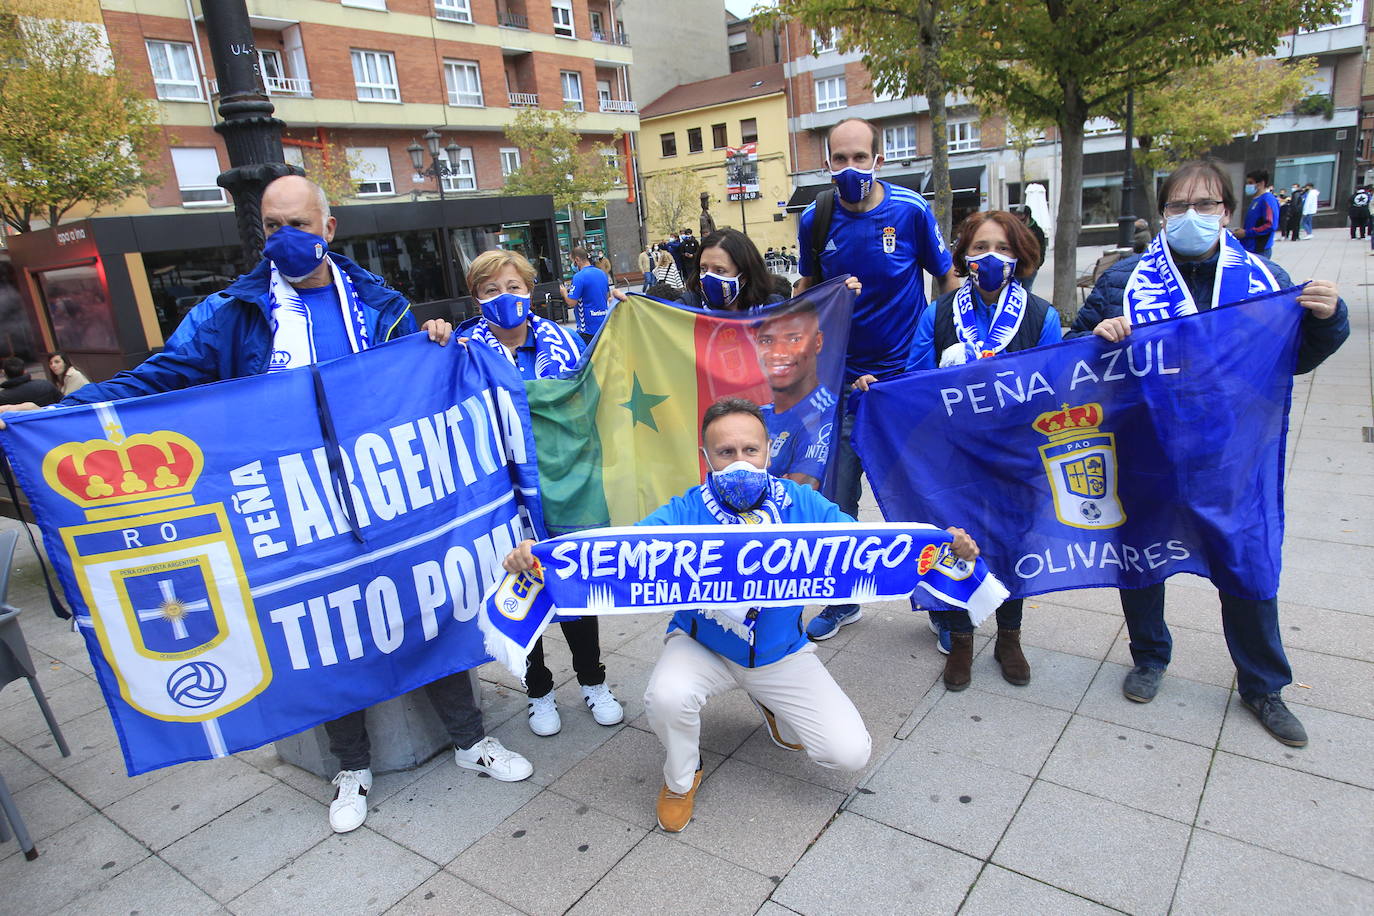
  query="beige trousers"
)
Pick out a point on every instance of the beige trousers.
point(809, 706)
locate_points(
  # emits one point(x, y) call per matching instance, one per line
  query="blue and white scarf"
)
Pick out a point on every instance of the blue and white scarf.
point(293, 343)
point(555, 349)
point(1155, 291)
point(1006, 321)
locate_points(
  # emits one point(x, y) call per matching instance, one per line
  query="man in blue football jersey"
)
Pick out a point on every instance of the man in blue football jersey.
point(886, 236)
point(589, 294)
point(802, 413)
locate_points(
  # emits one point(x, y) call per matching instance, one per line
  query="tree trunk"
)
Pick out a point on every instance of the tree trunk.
point(1070, 218)
point(935, 86)
point(577, 229)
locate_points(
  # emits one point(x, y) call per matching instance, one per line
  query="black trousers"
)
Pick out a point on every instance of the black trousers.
point(453, 701)
point(584, 639)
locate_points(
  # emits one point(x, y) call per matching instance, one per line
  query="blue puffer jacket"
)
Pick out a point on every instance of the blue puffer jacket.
point(1320, 336)
point(229, 335)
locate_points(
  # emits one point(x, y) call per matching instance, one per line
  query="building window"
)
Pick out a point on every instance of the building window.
point(963, 135)
point(887, 95)
point(374, 73)
point(821, 42)
point(830, 93)
point(1101, 199)
point(668, 142)
point(563, 19)
point(464, 82)
point(366, 4)
point(738, 41)
point(749, 130)
point(603, 93)
point(719, 140)
point(293, 155)
point(462, 174)
point(371, 169)
point(572, 89)
point(453, 10)
point(510, 160)
point(1322, 81)
point(1096, 127)
point(174, 70)
point(694, 140)
point(270, 62)
point(899, 142)
point(612, 160)
point(1320, 170)
point(196, 171)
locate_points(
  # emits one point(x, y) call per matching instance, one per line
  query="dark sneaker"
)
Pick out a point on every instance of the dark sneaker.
point(1273, 714)
point(1142, 683)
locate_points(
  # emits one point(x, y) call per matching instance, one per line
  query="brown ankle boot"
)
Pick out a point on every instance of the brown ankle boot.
point(959, 662)
point(1015, 668)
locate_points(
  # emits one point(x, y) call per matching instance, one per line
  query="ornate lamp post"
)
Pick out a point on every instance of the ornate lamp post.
point(440, 167)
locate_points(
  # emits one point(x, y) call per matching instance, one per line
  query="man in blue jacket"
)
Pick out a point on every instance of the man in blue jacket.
point(710, 651)
point(1262, 219)
point(300, 305)
point(1193, 266)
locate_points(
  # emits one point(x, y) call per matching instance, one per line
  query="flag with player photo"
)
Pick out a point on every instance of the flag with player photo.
point(620, 436)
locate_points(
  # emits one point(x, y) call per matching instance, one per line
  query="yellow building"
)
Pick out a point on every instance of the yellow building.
point(694, 139)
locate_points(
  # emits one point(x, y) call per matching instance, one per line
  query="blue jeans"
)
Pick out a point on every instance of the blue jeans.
point(1252, 636)
point(848, 468)
point(1307, 223)
point(1008, 618)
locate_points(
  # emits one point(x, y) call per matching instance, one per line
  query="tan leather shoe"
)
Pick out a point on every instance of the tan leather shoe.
point(774, 728)
point(674, 810)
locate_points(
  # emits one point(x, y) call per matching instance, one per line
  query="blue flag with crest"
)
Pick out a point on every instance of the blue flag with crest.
point(251, 558)
point(1088, 463)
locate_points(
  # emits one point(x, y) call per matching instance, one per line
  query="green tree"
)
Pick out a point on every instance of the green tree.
point(553, 161)
point(1065, 61)
point(333, 168)
point(73, 129)
point(671, 200)
point(1197, 110)
point(1022, 134)
point(904, 44)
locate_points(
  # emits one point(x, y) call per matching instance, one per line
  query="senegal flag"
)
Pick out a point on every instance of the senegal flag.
point(620, 436)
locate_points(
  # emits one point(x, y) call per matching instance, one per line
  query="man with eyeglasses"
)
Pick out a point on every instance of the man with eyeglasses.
point(1192, 266)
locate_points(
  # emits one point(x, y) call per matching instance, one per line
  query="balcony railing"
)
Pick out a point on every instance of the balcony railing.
point(611, 38)
point(514, 21)
point(524, 99)
point(276, 85)
point(618, 106)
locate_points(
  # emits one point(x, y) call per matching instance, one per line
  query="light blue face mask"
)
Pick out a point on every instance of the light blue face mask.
point(1191, 234)
point(1250, 189)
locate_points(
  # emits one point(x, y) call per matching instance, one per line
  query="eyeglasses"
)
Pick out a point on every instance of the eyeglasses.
point(1206, 207)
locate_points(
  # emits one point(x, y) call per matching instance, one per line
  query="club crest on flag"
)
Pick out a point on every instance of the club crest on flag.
point(889, 239)
point(162, 577)
point(1080, 462)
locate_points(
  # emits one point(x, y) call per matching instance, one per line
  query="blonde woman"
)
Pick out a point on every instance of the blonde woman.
point(667, 271)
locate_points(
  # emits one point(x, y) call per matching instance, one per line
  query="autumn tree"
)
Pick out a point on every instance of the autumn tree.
point(1194, 111)
point(1065, 61)
point(904, 45)
point(554, 161)
point(334, 169)
point(73, 129)
point(671, 200)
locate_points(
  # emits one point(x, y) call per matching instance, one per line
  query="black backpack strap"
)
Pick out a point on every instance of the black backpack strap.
point(820, 228)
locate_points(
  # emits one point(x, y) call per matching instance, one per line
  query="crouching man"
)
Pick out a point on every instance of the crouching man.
point(765, 651)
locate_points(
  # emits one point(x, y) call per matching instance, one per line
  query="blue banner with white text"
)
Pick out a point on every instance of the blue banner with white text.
point(251, 558)
point(1088, 463)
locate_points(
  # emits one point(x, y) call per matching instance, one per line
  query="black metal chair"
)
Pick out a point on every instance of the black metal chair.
point(16, 663)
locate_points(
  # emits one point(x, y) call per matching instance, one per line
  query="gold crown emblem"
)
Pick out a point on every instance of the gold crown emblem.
point(889, 230)
point(99, 473)
point(1068, 422)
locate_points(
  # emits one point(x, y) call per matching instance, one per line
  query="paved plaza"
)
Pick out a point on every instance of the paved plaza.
point(1060, 797)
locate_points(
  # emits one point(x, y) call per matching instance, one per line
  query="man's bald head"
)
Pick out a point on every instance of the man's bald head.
point(294, 200)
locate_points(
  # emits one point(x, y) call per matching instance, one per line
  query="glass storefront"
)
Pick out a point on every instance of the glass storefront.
point(180, 279)
point(78, 308)
point(593, 233)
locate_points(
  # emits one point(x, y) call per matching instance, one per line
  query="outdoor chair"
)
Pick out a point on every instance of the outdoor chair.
point(1088, 280)
point(16, 663)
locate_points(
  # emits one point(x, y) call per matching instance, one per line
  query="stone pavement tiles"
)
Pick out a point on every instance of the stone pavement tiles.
point(1057, 797)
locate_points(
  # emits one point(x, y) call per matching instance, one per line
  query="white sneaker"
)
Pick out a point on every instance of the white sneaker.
point(348, 810)
point(490, 757)
point(606, 709)
point(544, 720)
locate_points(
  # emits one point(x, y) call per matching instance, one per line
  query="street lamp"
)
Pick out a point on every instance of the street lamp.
point(440, 167)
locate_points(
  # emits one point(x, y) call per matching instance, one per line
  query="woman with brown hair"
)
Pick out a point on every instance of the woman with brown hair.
point(64, 375)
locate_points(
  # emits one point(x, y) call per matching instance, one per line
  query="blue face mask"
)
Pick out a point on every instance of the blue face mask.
point(1250, 189)
point(506, 310)
point(295, 252)
point(1191, 234)
point(993, 270)
point(720, 291)
point(740, 485)
point(853, 184)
